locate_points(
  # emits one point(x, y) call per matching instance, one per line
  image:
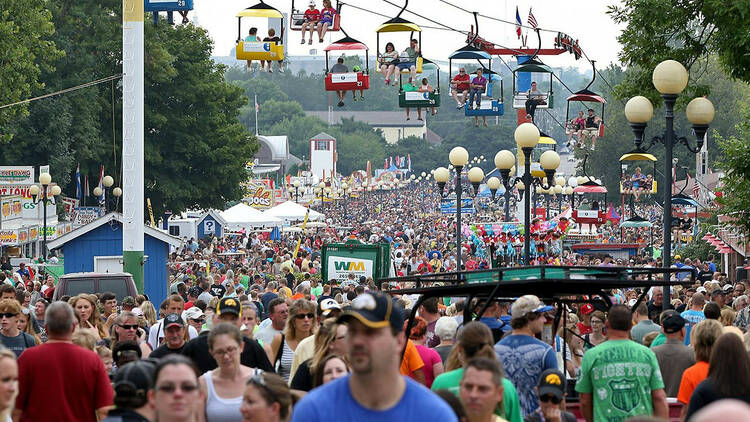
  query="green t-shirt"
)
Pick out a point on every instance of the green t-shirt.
point(244, 280)
point(451, 380)
point(317, 291)
point(412, 53)
point(659, 340)
point(620, 375)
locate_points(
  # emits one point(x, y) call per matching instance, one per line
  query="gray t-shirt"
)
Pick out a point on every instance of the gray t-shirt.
point(18, 343)
point(339, 68)
point(642, 328)
point(267, 334)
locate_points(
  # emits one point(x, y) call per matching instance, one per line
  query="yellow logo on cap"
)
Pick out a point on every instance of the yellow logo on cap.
point(230, 302)
point(553, 379)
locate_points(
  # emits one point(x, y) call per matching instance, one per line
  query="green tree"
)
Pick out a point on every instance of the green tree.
point(26, 29)
point(196, 148)
point(688, 31)
point(736, 199)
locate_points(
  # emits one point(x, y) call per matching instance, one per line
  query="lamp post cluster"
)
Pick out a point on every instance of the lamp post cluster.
point(669, 78)
point(108, 181)
point(526, 136)
point(44, 194)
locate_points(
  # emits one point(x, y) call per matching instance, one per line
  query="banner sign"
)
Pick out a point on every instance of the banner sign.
point(8, 237)
point(33, 233)
point(417, 96)
point(85, 215)
point(448, 206)
point(16, 175)
point(339, 267)
point(69, 204)
point(260, 197)
point(11, 208)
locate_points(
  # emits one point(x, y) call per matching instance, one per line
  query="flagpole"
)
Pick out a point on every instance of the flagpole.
point(256, 114)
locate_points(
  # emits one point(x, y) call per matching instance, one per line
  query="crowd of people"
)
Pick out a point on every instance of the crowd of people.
point(250, 331)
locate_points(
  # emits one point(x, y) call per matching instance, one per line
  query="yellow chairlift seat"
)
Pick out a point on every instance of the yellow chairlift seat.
point(259, 50)
point(639, 155)
point(399, 24)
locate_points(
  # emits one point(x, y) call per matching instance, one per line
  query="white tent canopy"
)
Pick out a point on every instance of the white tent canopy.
point(291, 211)
point(244, 216)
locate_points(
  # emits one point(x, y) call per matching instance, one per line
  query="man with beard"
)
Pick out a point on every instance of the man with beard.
point(375, 390)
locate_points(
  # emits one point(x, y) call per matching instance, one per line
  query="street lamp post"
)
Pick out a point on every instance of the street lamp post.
point(527, 136)
point(43, 195)
point(669, 78)
point(458, 157)
point(108, 181)
point(296, 185)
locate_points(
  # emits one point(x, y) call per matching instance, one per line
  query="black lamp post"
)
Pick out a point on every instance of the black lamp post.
point(670, 78)
point(296, 185)
point(44, 195)
point(108, 182)
point(527, 136)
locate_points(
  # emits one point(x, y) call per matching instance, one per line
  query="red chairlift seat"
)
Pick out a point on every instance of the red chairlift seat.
point(297, 18)
point(350, 80)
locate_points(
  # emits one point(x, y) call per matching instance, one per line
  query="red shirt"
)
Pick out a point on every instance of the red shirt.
point(463, 82)
point(312, 15)
point(61, 382)
point(584, 329)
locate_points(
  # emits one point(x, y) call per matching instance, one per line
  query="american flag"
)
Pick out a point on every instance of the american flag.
point(532, 20)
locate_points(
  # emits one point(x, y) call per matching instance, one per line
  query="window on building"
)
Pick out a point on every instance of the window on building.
point(174, 230)
point(321, 146)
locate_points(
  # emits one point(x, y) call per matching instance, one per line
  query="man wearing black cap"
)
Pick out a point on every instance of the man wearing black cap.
point(375, 390)
point(673, 356)
point(551, 391)
point(174, 337)
point(131, 386)
point(253, 355)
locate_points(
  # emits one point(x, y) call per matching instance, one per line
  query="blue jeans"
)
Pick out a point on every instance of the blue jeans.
point(478, 92)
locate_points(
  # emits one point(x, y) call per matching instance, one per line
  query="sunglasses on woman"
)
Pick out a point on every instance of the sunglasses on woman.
point(303, 316)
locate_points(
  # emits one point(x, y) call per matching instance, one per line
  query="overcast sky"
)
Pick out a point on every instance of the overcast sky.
point(585, 21)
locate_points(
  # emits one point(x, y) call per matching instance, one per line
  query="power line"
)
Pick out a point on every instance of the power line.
point(65, 91)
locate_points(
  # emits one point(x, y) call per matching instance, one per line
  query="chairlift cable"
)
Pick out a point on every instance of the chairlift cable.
point(65, 91)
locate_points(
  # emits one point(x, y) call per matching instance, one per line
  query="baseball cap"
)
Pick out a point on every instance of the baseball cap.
point(701, 290)
point(551, 382)
point(128, 301)
point(326, 306)
point(717, 292)
point(228, 305)
point(192, 313)
point(173, 319)
point(677, 257)
point(137, 311)
point(673, 322)
point(134, 379)
point(311, 3)
point(375, 310)
point(587, 308)
point(727, 287)
point(527, 304)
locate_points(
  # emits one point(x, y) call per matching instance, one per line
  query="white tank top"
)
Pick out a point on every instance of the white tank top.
point(219, 409)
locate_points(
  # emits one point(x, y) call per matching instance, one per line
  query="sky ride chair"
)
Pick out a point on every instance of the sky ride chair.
point(259, 50)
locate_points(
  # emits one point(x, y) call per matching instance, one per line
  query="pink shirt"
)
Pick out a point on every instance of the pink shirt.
point(430, 357)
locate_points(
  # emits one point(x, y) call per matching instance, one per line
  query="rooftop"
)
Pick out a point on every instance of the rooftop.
point(373, 118)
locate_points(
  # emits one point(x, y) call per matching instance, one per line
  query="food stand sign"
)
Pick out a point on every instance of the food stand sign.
point(16, 175)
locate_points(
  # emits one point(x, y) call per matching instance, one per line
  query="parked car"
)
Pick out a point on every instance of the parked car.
point(121, 284)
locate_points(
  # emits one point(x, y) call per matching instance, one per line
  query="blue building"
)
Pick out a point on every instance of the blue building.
point(211, 224)
point(97, 247)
